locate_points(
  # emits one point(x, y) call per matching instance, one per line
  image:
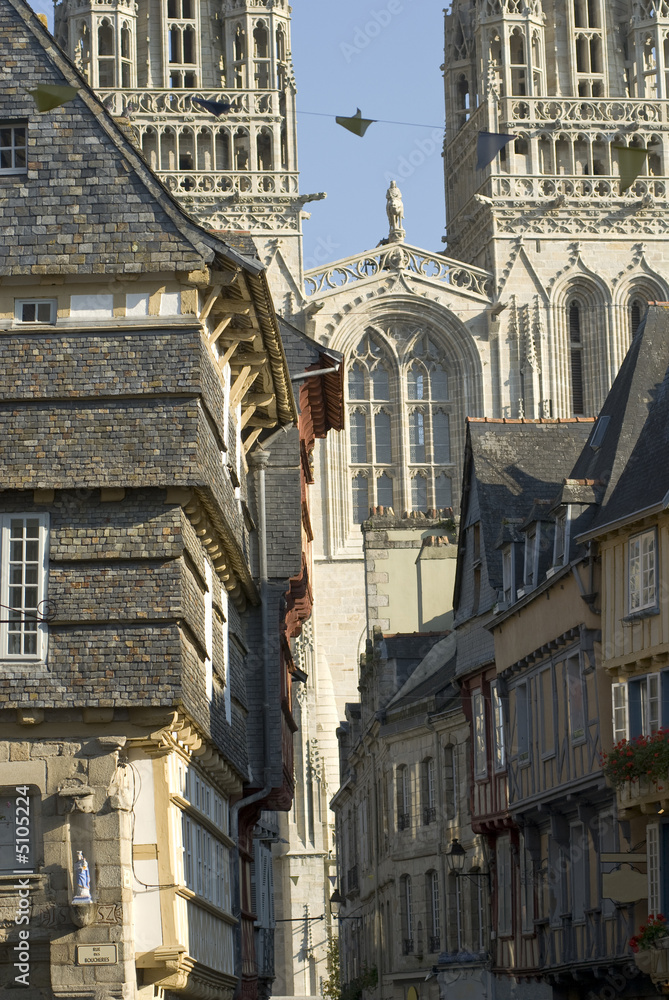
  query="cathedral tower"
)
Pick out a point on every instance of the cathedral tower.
point(571, 81)
point(149, 60)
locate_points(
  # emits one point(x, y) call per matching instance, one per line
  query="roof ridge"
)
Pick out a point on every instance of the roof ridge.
point(530, 420)
point(200, 239)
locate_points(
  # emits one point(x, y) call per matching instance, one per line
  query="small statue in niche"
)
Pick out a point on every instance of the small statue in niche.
point(395, 212)
point(83, 880)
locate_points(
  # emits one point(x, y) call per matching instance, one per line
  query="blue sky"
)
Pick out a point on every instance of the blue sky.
point(384, 58)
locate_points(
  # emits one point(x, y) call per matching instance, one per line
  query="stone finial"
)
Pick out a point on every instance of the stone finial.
point(395, 212)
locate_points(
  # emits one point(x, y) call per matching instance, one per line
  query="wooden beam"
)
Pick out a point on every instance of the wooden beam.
point(252, 438)
point(262, 422)
point(208, 306)
point(232, 310)
point(236, 385)
point(241, 387)
point(261, 398)
point(220, 328)
point(228, 354)
point(242, 336)
point(248, 413)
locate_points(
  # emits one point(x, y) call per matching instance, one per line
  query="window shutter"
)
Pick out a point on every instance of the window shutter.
point(664, 698)
point(634, 708)
point(620, 713)
point(653, 866)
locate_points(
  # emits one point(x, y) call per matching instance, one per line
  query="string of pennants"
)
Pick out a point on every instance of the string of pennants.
point(631, 159)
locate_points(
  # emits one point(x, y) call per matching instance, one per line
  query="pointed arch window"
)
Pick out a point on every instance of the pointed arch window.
point(360, 498)
point(419, 493)
point(417, 436)
point(638, 305)
point(358, 432)
point(576, 356)
point(439, 383)
point(384, 491)
point(443, 491)
point(441, 438)
point(416, 382)
point(380, 383)
point(517, 59)
point(356, 381)
point(382, 438)
point(106, 61)
point(261, 64)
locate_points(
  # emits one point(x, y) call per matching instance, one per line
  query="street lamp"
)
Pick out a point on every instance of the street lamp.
point(455, 859)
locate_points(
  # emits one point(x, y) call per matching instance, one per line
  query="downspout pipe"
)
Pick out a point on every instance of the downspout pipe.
point(258, 460)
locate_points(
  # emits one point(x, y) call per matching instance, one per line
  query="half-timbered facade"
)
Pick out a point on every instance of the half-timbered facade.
point(511, 471)
point(631, 529)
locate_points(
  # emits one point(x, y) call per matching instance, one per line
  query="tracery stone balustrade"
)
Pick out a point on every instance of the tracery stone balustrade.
point(615, 111)
point(228, 182)
point(394, 259)
point(593, 187)
point(244, 103)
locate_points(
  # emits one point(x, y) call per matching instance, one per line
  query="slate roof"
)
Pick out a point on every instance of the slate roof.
point(88, 203)
point(515, 463)
point(431, 675)
point(632, 461)
point(325, 395)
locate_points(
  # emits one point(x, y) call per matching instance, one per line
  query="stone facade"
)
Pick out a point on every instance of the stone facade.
point(145, 699)
point(540, 244)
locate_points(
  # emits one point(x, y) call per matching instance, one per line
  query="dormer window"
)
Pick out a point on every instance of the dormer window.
point(508, 574)
point(561, 545)
point(531, 555)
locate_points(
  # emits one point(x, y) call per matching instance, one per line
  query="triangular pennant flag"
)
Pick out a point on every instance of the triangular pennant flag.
point(631, 160)
point(488, 146)
point(49, 96)
point(294, 879)
point(333, 879)
point(217, 108)
point(357, 124)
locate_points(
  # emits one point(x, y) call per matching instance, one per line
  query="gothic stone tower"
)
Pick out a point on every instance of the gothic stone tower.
point(574, 260)
point(148, 59)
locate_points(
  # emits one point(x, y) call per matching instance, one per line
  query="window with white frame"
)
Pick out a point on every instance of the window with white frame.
point(480, 748)
point(13, 147)
point(576, 692)
point(523, 723)
point(24, 565)
point(531, 555)
point(638, 706)
point(498, 726)
point(205, 856)
point(642, 561)
point(504, 887)
point(35, 310)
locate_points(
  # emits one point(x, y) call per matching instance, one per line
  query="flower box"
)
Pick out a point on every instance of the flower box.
point(642, 795)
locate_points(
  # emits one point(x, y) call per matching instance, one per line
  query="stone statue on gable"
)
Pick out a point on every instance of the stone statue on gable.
point(395, 211)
